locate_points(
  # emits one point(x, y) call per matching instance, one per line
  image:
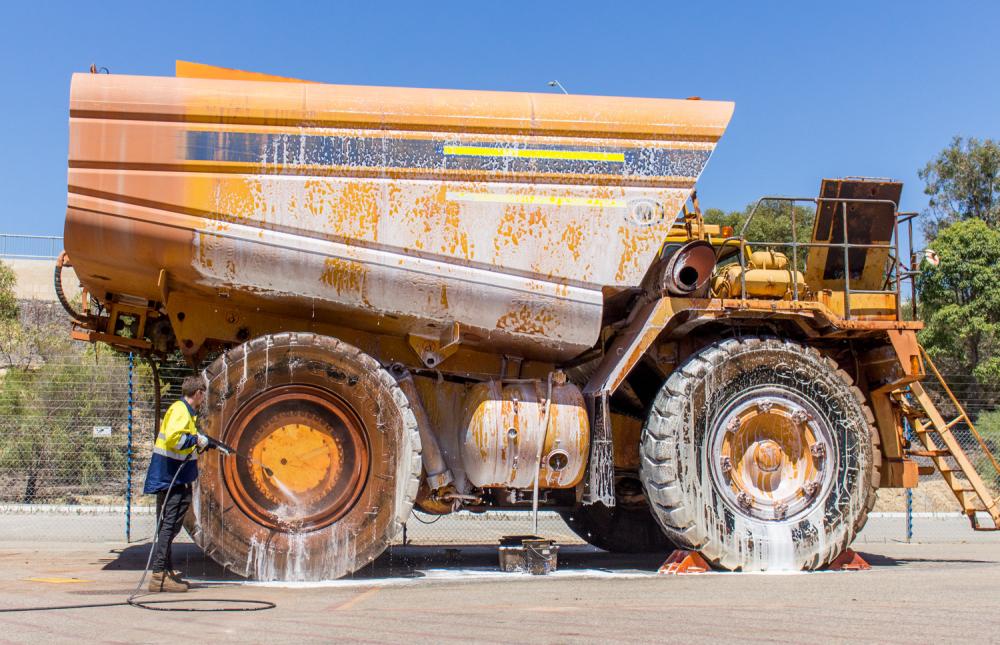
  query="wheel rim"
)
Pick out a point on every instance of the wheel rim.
point(772, 455)
point(316, 449)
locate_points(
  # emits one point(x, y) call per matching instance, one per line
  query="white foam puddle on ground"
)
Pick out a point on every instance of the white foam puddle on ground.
point(425, 576)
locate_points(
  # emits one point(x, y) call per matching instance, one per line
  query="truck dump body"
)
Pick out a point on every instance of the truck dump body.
point(657, 384)
point(389, 210)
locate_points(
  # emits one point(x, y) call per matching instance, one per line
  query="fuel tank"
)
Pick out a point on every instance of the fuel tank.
point(511, 431)
point(384, 209)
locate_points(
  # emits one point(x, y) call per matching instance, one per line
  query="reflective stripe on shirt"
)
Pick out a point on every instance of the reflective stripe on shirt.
point(179, 456)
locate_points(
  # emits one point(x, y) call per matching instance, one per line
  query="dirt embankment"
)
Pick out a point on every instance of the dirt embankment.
point(932, 496)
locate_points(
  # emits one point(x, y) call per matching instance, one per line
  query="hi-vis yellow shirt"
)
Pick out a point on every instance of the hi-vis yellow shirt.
point(174, 449)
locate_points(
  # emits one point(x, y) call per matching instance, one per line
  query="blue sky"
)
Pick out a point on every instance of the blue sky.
point(821, 89)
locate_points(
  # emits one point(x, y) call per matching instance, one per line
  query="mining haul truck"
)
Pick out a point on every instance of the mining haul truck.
point(447, 301)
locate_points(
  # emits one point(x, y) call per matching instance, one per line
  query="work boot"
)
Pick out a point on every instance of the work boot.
point(176, 576)
point(161, 581)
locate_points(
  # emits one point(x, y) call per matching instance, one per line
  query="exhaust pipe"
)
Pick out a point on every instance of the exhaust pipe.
point(689, 269)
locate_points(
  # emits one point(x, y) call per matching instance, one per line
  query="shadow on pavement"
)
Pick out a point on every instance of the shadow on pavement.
point(397, 562)
point(412, 560)
point(885, 561)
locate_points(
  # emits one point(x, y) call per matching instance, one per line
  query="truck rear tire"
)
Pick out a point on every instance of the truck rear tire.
point(342, 447)
point(761, 454)
point(626, 527)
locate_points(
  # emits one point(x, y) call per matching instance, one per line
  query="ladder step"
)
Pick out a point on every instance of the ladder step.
point(961, 476)
point(976, 526)
point(929, 453)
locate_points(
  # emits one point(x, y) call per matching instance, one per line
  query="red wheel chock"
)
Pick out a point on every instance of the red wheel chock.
point(849, 560)
point(682, 562)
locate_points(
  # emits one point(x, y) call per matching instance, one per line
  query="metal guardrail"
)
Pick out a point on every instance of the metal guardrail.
point(30, 247)
point(897, 272)
point(846, 245)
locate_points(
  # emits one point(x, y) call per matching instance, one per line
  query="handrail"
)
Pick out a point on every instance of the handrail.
point(9, 242)
point(845, 245)
point(961, 410)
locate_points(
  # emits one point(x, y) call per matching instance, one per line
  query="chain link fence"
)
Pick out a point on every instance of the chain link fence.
point(981, 446)
point(77, 425)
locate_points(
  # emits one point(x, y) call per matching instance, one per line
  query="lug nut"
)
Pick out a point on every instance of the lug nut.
point(811, 489)
point(745, 501)
point(780, 510)
point(818, 450)
point(765, 405)
point(726, 464)
point(801, 417)
point(733, 425)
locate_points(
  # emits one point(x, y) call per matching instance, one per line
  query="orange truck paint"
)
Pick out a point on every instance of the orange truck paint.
point(506, 212)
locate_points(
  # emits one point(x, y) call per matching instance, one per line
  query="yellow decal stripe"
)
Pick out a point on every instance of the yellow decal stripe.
point(575, 155)
point(541, 200)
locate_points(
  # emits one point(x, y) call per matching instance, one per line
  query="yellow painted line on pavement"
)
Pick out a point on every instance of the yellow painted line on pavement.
point(57, 581)
point(356, 599)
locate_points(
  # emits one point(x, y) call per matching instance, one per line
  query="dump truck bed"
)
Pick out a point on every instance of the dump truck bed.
point(387, 209)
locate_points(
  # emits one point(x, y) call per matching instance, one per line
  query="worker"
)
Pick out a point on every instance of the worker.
point(172, 470)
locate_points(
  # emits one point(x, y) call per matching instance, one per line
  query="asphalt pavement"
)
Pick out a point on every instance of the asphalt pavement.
point(914, 593)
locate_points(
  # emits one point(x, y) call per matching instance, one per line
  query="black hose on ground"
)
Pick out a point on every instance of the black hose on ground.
point(134, 599)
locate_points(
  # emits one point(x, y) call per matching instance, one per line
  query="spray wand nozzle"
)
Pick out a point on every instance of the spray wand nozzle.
point(228, 450)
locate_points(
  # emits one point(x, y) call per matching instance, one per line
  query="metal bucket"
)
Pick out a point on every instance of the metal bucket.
point(528, 554)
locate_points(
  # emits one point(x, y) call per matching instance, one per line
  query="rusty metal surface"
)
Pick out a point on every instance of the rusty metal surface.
point(505, 212)
point(504, 425)
point(690, 269)
point(308, 458)
point(681, 315)
point(867, 223)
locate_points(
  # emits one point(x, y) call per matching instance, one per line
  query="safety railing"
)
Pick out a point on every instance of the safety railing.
point(30, 247)
point(911, 271)
point(893, 274)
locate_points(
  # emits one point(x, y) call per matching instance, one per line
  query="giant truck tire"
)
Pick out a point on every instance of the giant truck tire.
point(626, 527)
point(342, 447)
point(761, 454)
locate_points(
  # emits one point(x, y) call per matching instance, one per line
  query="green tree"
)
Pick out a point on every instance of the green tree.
point(8, 299)
point(960, 301)
point(52, 392)
point(963, 182)
point(772, 222)
point(988, 424)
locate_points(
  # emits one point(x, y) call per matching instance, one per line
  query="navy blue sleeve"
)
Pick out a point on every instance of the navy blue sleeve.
point(187, 441)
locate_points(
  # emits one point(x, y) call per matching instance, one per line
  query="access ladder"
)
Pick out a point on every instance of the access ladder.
point(945, 451)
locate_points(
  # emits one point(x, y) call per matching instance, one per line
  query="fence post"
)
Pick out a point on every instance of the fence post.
point(128, 450)
point(909, 491)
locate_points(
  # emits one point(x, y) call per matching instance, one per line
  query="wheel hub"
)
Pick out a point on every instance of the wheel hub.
point(309, 458)
point(769, 457)
point(300, 455)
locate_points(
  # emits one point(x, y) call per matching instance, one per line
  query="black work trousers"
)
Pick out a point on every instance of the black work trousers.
point(171, 506)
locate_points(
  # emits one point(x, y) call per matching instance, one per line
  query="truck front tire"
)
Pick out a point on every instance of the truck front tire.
point(761, 454)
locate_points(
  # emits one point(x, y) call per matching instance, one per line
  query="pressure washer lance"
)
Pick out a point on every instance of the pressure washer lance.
point(229, 450)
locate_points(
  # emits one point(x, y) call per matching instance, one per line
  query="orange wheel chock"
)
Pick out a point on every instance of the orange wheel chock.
point(683, 562)
point(849, 560)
